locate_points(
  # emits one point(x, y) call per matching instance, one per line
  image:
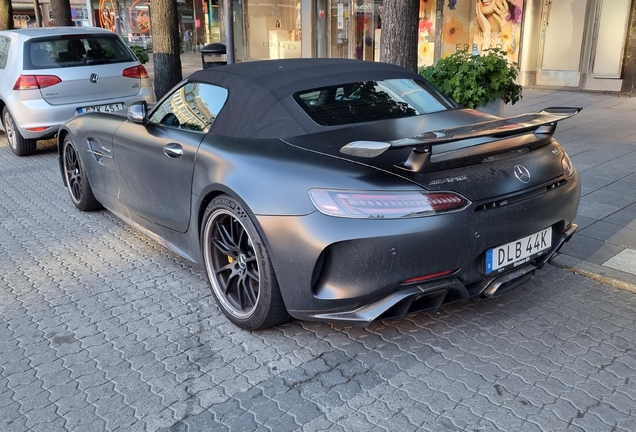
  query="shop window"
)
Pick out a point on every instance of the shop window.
point(353, 29)
point(274, 29)
point(498, 25)
point(426, 33)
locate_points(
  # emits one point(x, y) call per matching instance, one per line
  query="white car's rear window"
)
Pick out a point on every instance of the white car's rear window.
point(76, 51)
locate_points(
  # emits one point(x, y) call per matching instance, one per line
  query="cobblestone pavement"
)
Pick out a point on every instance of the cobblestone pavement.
point(101, 329)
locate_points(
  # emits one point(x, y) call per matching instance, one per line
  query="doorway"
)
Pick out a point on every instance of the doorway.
point(561, 47)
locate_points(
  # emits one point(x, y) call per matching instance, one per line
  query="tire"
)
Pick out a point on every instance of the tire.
point(238, 267)
point(77, 182)
point(19, 145)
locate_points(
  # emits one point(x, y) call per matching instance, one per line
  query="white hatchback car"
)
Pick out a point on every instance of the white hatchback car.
point(48, 75)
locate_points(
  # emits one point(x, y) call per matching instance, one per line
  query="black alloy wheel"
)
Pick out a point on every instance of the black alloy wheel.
point(238, 267)
point(76, 180)
point(19, 145)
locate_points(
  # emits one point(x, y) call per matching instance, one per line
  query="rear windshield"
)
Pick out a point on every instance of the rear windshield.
point(78, 51)
point(368, 101)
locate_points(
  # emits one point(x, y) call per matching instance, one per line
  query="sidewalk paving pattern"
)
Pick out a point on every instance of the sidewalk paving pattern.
point(102, 329)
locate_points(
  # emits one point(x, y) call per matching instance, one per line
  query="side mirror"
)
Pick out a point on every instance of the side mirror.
point(137, 112)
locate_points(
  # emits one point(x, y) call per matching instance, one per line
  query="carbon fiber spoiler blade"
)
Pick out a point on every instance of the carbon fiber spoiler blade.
point(542, 122)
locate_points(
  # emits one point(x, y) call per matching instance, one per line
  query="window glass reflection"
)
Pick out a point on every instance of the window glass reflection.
point(192, 107)
point(368, 101)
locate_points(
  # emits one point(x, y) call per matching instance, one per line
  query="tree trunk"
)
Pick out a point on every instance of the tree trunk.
point(399, 33)
point(61, 11)
point(166, 56)
point(6, 15)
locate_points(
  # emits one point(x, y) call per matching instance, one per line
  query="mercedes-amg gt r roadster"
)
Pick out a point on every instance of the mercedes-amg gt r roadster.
point(329, 189)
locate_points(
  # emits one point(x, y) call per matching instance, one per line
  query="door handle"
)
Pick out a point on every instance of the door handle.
point(173, 151)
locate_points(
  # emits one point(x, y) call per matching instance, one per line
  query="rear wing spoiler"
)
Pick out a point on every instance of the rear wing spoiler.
point(543, 122)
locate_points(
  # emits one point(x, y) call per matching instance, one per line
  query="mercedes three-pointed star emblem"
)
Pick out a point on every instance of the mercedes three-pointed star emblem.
point(522, 173)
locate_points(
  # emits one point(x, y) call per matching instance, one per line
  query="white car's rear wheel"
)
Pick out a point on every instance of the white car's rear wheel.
point(19, 145)
point(76, 180)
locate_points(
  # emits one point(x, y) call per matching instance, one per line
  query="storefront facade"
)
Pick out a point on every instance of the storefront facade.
point(132, 20)
point(24, 13)
point(575, 43)
point(567, 43)
point(353, 28)
point(570, 43)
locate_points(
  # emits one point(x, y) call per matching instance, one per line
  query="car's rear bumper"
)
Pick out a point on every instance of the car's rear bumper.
point(357, 270)
point(36, 113)
point(430, 296)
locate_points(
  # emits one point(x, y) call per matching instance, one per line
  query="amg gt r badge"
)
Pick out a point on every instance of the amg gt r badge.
point(522, 174)
point(448, 180)
point(94, 78)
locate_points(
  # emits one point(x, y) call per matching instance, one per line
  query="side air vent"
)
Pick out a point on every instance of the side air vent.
point(520, 197)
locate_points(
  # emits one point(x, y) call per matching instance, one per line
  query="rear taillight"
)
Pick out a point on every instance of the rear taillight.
point(385, 205)
point(136, 72)
point(568, 166)
point(30, 82)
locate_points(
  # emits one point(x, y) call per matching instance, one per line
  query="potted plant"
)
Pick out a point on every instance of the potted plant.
point(476, 80)
point(140, 53)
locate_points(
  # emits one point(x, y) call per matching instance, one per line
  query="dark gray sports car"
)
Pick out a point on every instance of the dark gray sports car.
point(330, 189)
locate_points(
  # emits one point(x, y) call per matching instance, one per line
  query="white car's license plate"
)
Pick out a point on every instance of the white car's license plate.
point(518, 252)
point(109, 108)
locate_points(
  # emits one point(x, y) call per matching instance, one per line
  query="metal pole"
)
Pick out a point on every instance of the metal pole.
point(38, 14)
point(229, 30)
point(118, 19)
point(195, 30)
point(89, 9)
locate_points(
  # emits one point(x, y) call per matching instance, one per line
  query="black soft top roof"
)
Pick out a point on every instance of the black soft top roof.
point(260, 102)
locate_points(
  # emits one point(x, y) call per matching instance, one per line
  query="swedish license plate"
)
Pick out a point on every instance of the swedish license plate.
point(108, 108)
point(518, 252)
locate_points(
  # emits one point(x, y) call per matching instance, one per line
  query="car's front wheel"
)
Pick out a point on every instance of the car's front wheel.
point(76, 180)
point(19, 145)
point(238, 267)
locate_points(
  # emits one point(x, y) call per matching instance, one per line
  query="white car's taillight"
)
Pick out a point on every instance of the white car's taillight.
point(135, 72)
point(30, 82)
point(385, 205)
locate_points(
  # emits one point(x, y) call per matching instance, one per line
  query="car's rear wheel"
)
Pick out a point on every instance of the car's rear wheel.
point(239, 268)
point(76, 180)
point(19, 145)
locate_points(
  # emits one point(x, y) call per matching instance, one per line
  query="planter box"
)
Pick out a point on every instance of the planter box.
point(495, 107)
